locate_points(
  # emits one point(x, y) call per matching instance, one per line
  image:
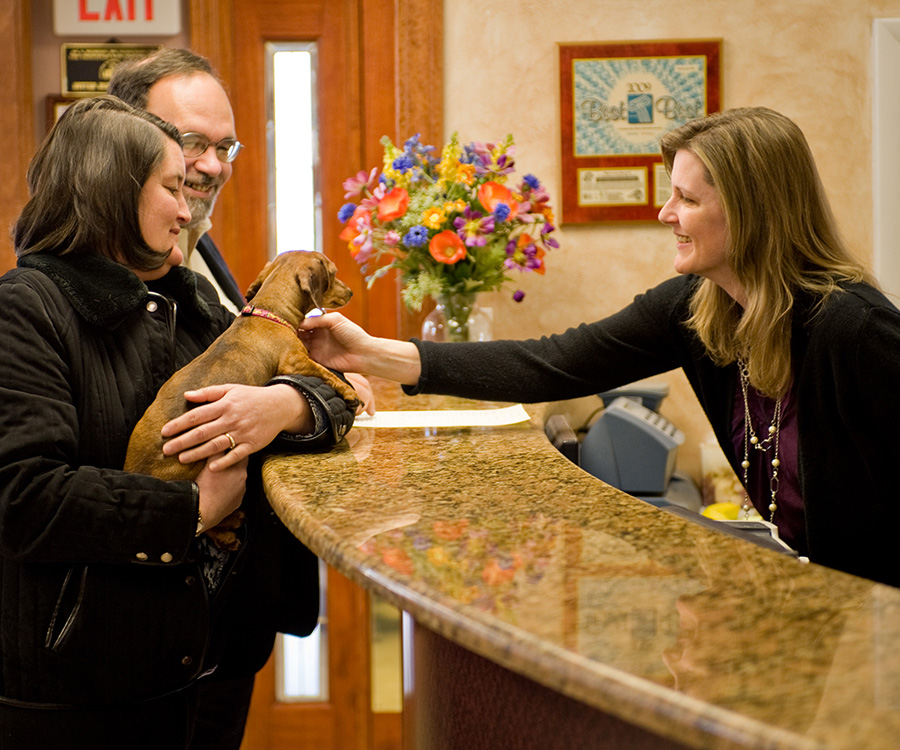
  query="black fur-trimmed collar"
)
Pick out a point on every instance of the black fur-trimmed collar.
point(104, 292)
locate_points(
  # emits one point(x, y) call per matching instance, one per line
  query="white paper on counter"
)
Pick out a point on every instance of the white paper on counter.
point(445, 418)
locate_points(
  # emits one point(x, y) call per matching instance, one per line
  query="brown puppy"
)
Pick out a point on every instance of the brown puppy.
point(260, 344)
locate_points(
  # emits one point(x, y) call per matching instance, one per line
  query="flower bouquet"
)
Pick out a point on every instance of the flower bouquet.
point(448, 224)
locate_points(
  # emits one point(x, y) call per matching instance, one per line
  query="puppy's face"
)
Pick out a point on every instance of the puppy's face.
point(309, 273)
point(337, 293)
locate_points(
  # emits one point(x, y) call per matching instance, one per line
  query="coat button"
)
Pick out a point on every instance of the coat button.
point(187, 661)
point(142, 556)
point(166, 557)
point(190, 580)
point(152, 306)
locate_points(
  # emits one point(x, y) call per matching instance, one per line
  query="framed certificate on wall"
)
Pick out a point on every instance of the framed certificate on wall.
point(616, 101)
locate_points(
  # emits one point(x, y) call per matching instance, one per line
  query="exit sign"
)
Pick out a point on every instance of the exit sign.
point(116, 17)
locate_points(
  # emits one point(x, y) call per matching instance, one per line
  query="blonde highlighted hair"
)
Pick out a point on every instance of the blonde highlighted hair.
point(783, 235)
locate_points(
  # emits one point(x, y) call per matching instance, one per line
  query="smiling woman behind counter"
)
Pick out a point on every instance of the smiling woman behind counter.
point(792, 351)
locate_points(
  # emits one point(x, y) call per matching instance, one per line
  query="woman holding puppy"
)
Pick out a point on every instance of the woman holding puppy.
point(113, 603)
point(792, 352)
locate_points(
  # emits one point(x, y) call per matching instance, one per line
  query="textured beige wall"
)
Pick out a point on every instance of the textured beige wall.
point(809, 59)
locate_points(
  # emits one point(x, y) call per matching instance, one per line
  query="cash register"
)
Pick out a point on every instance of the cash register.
point(631, 446)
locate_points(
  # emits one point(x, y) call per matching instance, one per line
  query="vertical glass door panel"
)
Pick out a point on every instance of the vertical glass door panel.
point(301, 665)
point(301, 671)
point(292, 134)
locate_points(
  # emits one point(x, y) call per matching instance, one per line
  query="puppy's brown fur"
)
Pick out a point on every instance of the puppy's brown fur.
point(251, 351)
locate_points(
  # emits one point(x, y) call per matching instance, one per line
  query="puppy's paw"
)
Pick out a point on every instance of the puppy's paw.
point(346, 392)
point(224, 535)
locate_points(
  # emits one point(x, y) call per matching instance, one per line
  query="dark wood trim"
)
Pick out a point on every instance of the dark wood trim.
point(16, 117)
point(420, 96)
point(210, 26)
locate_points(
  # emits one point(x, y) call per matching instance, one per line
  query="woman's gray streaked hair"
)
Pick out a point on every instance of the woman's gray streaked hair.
point(85, 183)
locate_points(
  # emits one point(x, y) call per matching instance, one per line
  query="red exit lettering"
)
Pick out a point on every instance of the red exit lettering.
point(113, 11)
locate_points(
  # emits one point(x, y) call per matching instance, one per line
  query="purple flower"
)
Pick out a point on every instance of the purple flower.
point(519, 295)
point(412, 144)
point(522, 255)
point(483, 158)
point(346, 212)
point(473, 226)
point(403, 163)
point(416, 237)
point(545, 238)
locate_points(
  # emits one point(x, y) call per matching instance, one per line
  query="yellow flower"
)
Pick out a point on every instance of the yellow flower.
point(434, 217)
point(437, 556)
point(466, 174)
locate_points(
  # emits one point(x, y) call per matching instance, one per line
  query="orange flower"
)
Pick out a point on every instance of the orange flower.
point(393, 205)
point(450, 530)
point(491, 194)
point(399, 560)
point(466, 174)
point(495, 572)
point(447, 247)
point(352, 229)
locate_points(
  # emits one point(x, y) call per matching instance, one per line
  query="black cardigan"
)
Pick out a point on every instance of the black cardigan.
point(846, 361)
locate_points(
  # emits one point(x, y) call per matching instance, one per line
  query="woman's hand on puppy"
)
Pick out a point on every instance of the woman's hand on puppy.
point(336, 342)
point(251, 416)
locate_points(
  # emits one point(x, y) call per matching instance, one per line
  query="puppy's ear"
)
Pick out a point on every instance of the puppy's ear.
point(312, 279)
point(254, 287)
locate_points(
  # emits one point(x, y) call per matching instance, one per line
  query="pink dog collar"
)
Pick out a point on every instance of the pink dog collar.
point(260, 313)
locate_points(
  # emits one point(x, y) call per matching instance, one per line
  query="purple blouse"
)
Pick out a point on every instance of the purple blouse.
point(789, 515)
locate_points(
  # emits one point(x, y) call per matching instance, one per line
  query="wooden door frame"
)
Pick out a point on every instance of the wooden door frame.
point(401, 87)
point(16, 117)
point(396, 90)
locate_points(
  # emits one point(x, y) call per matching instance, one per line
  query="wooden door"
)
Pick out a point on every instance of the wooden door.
point(16, 118)
point(379, 73)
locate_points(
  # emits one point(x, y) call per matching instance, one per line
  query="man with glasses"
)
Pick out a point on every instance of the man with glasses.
point(182, 88)
point(277, 585)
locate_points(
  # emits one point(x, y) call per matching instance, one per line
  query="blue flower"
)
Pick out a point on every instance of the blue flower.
point(416, 237)
point(533, 182)
point(501, 213)
point(403, 163)
point(346, 212)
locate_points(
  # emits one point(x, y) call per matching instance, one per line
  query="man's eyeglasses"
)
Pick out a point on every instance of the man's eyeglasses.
point(195, 144)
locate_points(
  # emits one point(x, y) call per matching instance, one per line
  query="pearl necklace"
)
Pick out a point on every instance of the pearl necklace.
point(750, 438)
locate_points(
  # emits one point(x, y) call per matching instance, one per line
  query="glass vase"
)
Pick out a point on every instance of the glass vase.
point(458, 317)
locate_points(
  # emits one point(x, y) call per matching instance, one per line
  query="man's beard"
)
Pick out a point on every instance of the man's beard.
point(201, 208)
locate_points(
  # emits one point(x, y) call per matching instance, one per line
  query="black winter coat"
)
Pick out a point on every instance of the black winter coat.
point(101, 595)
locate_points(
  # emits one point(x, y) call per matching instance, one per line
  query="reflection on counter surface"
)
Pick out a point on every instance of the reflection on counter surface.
point(491, 539)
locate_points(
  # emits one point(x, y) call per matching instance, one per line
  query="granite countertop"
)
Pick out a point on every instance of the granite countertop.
point(492, 539)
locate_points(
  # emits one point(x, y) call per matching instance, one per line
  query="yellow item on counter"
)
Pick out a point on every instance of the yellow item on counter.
point(722, 511)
